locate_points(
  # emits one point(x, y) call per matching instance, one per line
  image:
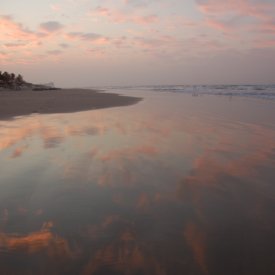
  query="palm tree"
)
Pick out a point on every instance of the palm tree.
point(1, 80)
point(11, 81)
point(19, 80)
point(6, 79)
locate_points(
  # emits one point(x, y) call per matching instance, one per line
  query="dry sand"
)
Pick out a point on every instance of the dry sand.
point(17, 103)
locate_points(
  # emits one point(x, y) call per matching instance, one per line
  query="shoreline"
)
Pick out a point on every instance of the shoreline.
point(19, 103)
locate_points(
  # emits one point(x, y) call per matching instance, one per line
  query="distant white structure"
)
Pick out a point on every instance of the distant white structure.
point(48, 85)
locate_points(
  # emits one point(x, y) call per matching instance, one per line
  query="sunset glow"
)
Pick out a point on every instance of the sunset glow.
point(88, 43)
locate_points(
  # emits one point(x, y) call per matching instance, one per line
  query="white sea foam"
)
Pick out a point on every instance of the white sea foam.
point(254, 91)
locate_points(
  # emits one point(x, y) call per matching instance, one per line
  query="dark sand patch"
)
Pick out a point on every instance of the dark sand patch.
point(18, 103)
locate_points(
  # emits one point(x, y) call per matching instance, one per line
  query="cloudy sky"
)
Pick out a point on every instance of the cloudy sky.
point(136, 42)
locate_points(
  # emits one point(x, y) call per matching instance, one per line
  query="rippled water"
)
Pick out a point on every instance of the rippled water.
point(173, 185)
point(266, 92)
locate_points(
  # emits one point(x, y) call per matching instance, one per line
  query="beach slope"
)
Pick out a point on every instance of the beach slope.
point(18, 103)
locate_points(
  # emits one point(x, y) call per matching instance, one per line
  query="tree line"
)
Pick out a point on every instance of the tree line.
point(11, 81)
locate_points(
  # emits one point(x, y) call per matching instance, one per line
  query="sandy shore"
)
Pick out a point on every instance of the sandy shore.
point(17, 103)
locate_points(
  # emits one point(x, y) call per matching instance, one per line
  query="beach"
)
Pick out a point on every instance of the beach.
point(19, 103)
point(176, 184)
point(137, 137)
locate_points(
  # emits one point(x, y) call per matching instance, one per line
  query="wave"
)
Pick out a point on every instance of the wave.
point(254, 91)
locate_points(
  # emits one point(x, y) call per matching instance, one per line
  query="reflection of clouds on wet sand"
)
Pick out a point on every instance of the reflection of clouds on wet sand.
point(49, 130)
point(126, 250)
point(196, 240)
point(43, 244)
point(229, 190)
point(142, 191)
point(51, 136)
point(129, 153)
point(10, 136)
point(126, 256)
point(144, 136)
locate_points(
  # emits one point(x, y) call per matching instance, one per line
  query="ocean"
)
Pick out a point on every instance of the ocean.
point(252, 91)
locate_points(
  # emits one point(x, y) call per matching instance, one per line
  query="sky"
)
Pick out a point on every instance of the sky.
point(82, 43)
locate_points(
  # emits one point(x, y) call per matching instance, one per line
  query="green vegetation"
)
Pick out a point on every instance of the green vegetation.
point(11, 81)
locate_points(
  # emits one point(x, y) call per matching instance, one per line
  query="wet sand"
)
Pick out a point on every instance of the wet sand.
point(177, 184)
point(18, 103)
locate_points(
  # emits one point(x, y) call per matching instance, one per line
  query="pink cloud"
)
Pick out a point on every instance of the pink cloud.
point(118, 16)
point(98, 53)
point(260, 9)
point(64, 45)
point(16, 36)
point(137, 3)
point(14, 45)
point(216, 24)
point(156, 42)
point(55, 7)
point(88, 37)
point(10, 30)
point(55, 52)
point(266, 43)
point(233, 14)
point(267, 27)
point(51, 26)
point(3, 56)
point(165, 46)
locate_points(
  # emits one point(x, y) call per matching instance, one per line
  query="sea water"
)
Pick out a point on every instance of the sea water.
point(252, 91)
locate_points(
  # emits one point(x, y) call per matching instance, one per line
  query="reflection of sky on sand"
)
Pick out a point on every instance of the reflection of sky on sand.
point(173, 185)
